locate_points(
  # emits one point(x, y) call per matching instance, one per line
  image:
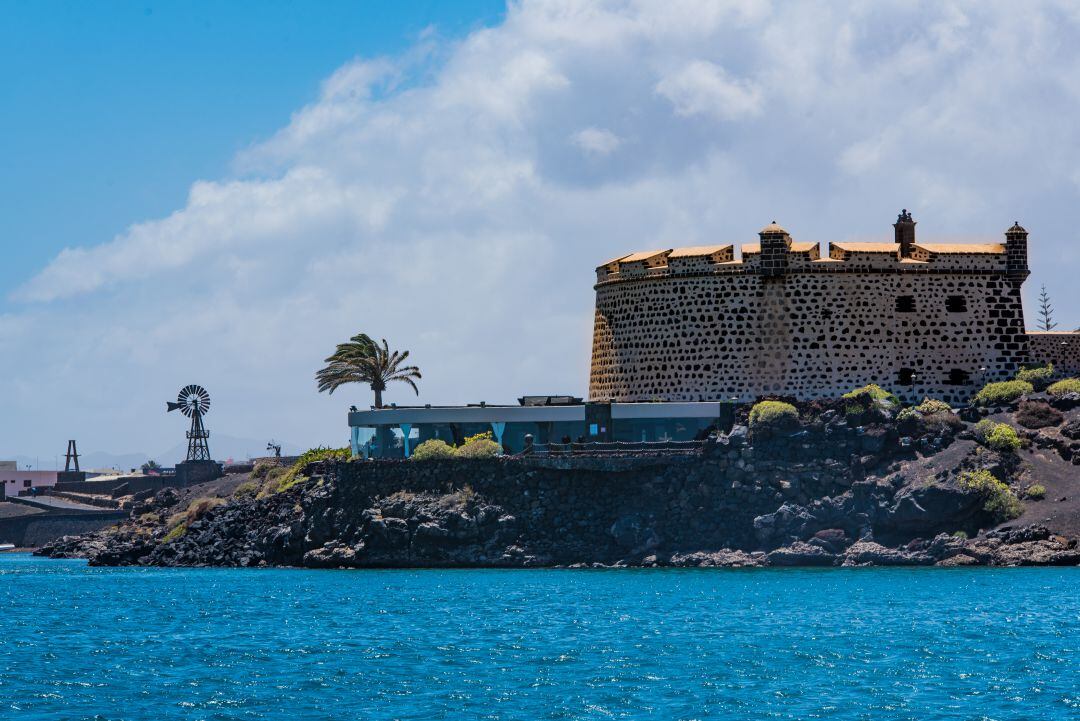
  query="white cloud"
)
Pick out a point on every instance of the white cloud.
point(704, 88)
point(596, 141)
point(452, 200)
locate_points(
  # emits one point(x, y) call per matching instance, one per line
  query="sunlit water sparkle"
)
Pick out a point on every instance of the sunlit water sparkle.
point(140, 644)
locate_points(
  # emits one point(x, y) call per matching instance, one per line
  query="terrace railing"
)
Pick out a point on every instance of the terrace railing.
point(615, 448)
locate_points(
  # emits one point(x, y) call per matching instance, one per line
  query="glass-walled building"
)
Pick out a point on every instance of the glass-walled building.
point(395, 431)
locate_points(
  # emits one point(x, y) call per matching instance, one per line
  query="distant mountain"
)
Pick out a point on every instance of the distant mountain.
point(224, 448)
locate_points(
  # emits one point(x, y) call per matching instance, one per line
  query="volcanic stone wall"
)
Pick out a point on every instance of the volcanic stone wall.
point(939, 324)
point(1061, 349)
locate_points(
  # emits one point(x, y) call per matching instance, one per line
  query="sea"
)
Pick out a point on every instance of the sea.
point(875, 643)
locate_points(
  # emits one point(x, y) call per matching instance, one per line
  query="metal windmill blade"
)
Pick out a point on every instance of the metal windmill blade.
point(194, 402)
point(193, 399)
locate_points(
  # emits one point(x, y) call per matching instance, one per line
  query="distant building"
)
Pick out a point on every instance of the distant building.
point(920, 319)
point(24, 483)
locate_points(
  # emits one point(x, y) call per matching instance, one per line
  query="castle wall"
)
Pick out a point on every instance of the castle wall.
point(1061, 349)
point(820, 328)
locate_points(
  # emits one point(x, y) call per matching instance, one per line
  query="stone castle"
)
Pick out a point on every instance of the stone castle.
point(920, 319)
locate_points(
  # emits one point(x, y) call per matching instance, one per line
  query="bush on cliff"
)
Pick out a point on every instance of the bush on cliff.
point(773, 414)
point(1002, 394)
point(1003, 439)
point(246, 489)
point(262, 468)
point(479, 446)
point(177, 531)
point(1000, 437)
point(1035, 414)
point(431, 450)
point(871, 402)
point(1038, 376)
point(200, 507)
point(931, 406)
point(1000, 501)
point(1069, 385)
point(282, 479)
point(1036, 492)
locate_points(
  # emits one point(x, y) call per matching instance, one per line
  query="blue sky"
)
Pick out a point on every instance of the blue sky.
point(112, 109)
point(218, 193)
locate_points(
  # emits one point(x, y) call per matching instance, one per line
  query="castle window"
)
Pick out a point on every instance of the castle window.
point(956, 304)
point(905, 304)
point(958, 377)
point(906, 377)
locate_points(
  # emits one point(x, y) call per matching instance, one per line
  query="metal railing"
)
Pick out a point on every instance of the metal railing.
point(609, 448)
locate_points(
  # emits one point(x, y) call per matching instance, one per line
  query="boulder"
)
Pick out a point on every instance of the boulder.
point(801, 554)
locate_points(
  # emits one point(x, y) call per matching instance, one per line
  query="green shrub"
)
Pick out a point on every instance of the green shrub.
point(1069, 385)
point(432, 449)
point(962, 535)
point(282, 479)
point(245, 489)
point(200, 507)
point(872, 392)
point(478, 448)
point(1000, 501)
point(1003, 439)
point(1039, 377)
point(1004, 393)
point(262, 468)
point(907, 415)
point(485, 436)
point(983, 429)
point(773, 414)
point(1036, 492)
point(930, 406)
point(177, 531)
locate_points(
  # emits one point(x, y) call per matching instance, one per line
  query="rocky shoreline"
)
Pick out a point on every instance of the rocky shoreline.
point(840, 489)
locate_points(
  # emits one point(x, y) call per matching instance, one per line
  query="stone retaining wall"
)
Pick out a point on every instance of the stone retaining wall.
point(570, 508)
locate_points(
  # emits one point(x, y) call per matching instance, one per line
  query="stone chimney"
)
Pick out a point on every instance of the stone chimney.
point(775, 245)
point(904, 228)
point(1016, 256)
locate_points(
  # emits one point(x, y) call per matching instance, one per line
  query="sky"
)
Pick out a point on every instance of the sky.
point(218, 193)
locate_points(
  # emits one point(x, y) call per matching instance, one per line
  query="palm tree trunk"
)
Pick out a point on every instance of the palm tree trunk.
point(378, 397)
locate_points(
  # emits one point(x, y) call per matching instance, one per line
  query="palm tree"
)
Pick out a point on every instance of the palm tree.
point(362, 360)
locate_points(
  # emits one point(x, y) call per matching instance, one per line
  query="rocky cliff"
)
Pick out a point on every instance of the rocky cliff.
point(840, 488)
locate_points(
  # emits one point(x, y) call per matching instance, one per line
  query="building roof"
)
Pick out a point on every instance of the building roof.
point(697, 251)
point(772, 227)
point(646, 255)
point(963, 247)
point(867, 247)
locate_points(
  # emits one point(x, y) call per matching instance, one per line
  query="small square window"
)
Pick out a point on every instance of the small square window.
point(956, 304)
point(905, 304)
point(958, 377)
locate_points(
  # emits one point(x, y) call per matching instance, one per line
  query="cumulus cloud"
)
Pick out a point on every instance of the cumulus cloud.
point(456, 199)
point(596, 141)
point(704, 88)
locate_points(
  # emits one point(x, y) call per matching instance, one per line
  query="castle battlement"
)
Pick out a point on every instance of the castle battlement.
point(701, 323)
point(806, 257)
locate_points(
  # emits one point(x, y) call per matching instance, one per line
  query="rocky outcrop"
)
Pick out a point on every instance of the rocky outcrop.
point(827, 494)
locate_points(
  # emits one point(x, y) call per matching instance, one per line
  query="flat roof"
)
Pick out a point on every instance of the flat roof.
point(526, 414)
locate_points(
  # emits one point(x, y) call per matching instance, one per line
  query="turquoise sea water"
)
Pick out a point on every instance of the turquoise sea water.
point(140, 644)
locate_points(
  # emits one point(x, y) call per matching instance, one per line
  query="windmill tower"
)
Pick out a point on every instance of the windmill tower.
point(194, 402)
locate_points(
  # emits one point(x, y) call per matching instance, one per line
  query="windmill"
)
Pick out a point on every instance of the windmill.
point(194, 402)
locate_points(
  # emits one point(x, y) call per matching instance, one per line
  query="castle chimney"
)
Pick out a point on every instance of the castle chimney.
point(1016, 256)
point(904, 228)
point(775, 245)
